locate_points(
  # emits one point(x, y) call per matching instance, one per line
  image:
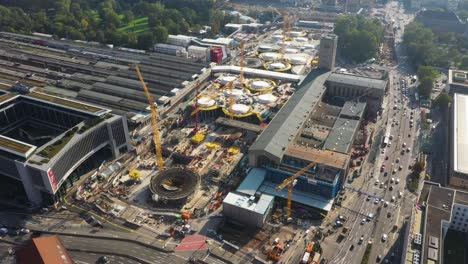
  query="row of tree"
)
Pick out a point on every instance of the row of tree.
point(441, 50)
point(359, 38)
point(100, 21)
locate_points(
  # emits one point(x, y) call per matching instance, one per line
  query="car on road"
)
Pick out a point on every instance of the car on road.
point(370, 216)
point(382, 168)
point(408, 149)
point(386, 204)
point(384, 237)
point(376, 201)
point(3, 231)
point(389, 214)
point(397, 160)
point(400, 194)
point(397, 181)
point(103, 260)
point(392, 180)
point(386, 157)
point(351, 247)
point(363, 221)
point(400, 167)
point(368, 198)
point(377, 182)
point(339, 223)
point(390, 188)
point(24, 231)
point(342, 218)
point(393, 199)
point(361, 239)
point(394, 171)
point(385, 174)
point(379, 258)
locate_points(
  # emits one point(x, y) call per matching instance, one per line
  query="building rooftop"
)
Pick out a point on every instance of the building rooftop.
point(325, 157)
point(460, 133)
point(82, 107)
point(438, 207)
point(6, 97)
point(244, 201)
point(461, 197)
point(357, 80)
point(354, 110)
point(341, 137)
point(48, 249)
point(287, 123)
point(458, 77)
point(16, 147)
point(252, 182)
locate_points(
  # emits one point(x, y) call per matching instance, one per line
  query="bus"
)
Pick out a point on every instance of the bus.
point(385, 141)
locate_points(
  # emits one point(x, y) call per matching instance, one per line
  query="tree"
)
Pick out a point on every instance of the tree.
point(464, 62)
point(145, 40)
point(129, 16)
point(358, 38)
point(418, 167)
point(443, 101)
point(160, 34)
point(425, 87)
point(427, 72)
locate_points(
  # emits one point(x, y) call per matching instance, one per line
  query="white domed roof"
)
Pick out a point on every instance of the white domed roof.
point(270, 56)
point(227, 79)
point(309, 46)
point(291, 51)
point(265, 47)
point(297, 33)
point(298, 60)
point(300, 39)
point(286, 43)
point(239, 109)
point(235, 92)
point(277, 37)
point(205, 101)
point(266, 98)
point(277, 65)
point(260, 85)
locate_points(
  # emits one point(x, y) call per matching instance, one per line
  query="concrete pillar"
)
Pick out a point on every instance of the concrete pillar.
point(34, 195)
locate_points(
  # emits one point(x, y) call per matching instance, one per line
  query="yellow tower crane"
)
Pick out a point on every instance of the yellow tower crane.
point(231, 100)
point(154, 122)
point(290, 182)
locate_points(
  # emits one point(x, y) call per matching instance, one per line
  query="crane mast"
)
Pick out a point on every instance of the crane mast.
point(289, 182)
point(154, 122)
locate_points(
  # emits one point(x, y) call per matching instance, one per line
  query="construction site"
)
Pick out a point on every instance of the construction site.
point(208, 142)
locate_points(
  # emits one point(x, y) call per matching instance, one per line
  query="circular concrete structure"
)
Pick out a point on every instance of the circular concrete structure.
point(205, 102)
point(270, 56)
point(277, 37)
point(267, 98)
point(291, 51)
point(264, 48)
point(174, 184)
point(300, 39)
point(226, 79)
point(235, 92)
point(297, 60)
point(252, 63)
point(240, 109)
point(298, 34)
point(261, 85)
point(279, 66)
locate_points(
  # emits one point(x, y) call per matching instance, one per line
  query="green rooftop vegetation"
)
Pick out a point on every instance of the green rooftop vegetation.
point(14, 145)
point(5, 87)
point(5, 97)
point(90, 123)
point(51, 150)
point(64, 102)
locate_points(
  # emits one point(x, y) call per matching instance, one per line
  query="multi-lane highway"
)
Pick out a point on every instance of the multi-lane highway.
point(376, 214)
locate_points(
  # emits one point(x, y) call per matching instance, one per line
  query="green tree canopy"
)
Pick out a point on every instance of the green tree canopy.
point(425, 87)
point(443, 101)
point(358, 38)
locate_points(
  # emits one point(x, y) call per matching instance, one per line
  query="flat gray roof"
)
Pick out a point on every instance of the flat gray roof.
point(357, 80)
point(460, 133)
point(353, 109)
point(341, 137)
point(284, 127)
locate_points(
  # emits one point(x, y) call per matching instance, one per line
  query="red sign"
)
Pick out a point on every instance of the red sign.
point(52, 180)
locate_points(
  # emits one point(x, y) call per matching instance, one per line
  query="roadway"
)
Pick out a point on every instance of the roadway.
point(380, 194)
point(106, 246)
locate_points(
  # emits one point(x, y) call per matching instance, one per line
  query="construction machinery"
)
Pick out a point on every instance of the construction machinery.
point(154, 122)
point(276, 252)
point(290, 182)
